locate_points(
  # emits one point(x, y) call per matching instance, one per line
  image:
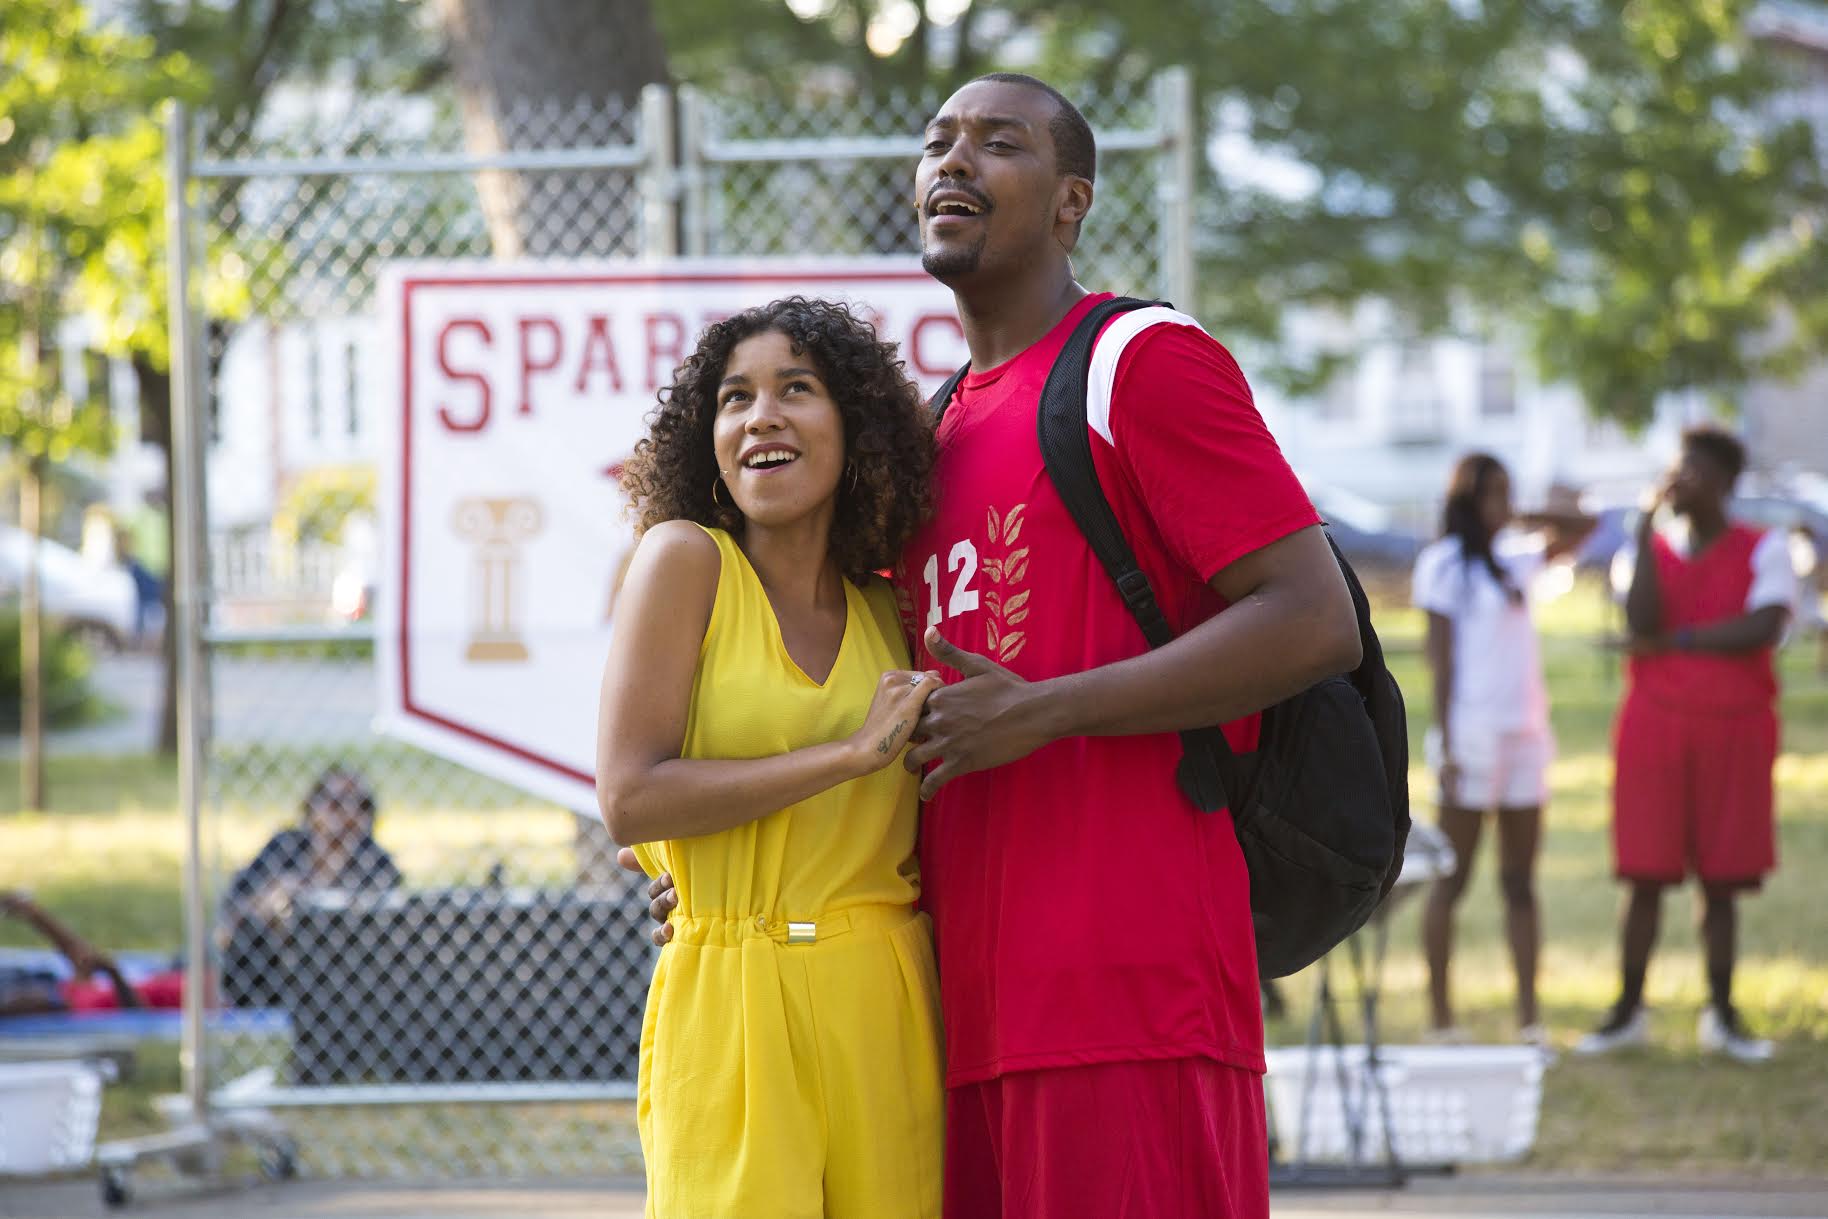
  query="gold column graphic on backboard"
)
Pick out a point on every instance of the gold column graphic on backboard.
point(497, 527)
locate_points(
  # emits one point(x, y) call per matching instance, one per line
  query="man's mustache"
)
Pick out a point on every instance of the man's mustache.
point(971, 192)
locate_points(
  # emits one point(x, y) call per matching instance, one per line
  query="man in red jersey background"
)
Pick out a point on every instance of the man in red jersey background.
point(1102, 1060)
point(1697, 735)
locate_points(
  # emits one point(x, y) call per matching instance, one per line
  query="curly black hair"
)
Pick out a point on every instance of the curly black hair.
point(888, 434)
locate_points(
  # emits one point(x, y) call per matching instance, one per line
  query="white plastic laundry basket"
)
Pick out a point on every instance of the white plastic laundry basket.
point(1467, 1104)
point(48, 1113)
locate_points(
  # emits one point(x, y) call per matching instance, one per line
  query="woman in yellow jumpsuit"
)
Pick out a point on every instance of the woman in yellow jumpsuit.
point(756, 705)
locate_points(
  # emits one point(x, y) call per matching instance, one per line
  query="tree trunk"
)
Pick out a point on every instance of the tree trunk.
point(155, 409)
point(523, 68)
point(31, 629)
point(31, 592)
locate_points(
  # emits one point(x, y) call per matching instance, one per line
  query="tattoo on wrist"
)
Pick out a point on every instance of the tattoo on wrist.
point(887, 742)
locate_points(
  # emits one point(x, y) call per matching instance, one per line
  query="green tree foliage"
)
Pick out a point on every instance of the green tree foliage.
point(1610, 175)
point(318, 504)
point(80, 201)
point(82, 187)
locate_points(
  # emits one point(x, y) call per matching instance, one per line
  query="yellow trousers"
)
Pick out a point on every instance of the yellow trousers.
point(794, 1070)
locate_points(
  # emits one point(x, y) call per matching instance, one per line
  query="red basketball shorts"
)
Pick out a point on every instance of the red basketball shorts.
point(1693, 794)
point(1181, 1138)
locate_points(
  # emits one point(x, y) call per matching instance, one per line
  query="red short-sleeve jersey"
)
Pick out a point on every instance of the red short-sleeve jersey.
point(1085, 910)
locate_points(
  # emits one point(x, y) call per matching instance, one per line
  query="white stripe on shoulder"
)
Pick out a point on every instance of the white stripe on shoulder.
point(1101, 380)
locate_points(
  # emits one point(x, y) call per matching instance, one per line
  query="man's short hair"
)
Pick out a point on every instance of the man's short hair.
point(1720, 445)
point(1075, 152)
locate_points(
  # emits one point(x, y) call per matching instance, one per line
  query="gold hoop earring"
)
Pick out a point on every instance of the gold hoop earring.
point(715, 484)
point(853, 469)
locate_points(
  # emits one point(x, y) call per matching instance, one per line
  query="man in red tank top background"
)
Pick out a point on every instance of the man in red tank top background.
point(1697, 734)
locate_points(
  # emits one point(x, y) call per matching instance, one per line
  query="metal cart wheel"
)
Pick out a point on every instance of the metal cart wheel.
point(117, 1188)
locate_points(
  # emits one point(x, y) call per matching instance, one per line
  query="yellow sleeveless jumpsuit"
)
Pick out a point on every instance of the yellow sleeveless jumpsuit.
point(791, 1062)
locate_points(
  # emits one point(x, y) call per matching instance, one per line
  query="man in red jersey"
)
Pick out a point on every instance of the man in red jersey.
point(1697, 734)
point(1099, 1062)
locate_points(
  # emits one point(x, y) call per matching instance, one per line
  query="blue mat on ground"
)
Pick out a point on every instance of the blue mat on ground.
point(141, 1025)
point(135, 966)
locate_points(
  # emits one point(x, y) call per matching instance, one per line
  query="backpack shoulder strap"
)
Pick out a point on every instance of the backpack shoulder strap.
point(942, 398)
point(1066, 448)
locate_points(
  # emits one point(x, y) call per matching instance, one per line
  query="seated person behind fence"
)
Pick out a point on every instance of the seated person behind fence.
point(334, 848)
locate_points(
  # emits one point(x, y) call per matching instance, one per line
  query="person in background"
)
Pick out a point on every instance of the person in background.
point(148, 591)
point(1696, 739)
point(1491, 742)
point(332, 848)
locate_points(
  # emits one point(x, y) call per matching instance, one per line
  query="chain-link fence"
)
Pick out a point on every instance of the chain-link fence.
point(836, 178)
point(408, 953)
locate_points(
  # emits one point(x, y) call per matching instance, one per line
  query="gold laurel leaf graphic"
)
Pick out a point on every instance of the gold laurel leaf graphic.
point(995, 601)
point(1012, 646)
point(994, 569)
point(1016, 571)
point(996, 530)
point(1016, 617)
point(1017, 602)
point(994, 635)
point(1012, 524)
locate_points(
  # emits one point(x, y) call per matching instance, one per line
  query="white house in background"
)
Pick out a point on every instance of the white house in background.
point(1391, 424)
point(1786, 424)
point(287, 400)
point(290, 399)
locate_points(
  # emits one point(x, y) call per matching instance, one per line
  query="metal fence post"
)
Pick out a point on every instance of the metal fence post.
point(692, 176)
point(187, 558)
point(1177, 183)
point(659, 179)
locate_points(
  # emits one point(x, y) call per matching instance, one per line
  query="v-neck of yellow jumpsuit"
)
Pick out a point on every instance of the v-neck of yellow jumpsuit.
point(781, 1077)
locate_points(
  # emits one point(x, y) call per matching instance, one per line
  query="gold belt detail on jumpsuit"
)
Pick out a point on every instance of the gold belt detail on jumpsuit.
point(709, 930)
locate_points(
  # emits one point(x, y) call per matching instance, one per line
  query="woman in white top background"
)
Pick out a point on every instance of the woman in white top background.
point(1490, 742)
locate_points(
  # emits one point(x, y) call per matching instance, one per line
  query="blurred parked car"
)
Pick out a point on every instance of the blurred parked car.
point(1766, 511)
point(1364, 533)
point(93, 601)
point(1784, 512)
point(1780, 512)
point(352, 592)
point(1610, 533)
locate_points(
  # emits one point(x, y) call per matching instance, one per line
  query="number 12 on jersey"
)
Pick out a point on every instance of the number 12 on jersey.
point(963, 561)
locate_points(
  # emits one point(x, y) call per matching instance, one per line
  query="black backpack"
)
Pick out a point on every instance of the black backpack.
point(1321, 808)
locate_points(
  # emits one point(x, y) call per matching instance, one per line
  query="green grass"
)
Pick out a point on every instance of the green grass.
point(106, 854)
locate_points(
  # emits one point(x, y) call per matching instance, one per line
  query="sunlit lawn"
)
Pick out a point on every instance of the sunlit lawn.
point(107, 855)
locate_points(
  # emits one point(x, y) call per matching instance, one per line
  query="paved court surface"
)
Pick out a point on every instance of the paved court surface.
point(1482, 1197)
